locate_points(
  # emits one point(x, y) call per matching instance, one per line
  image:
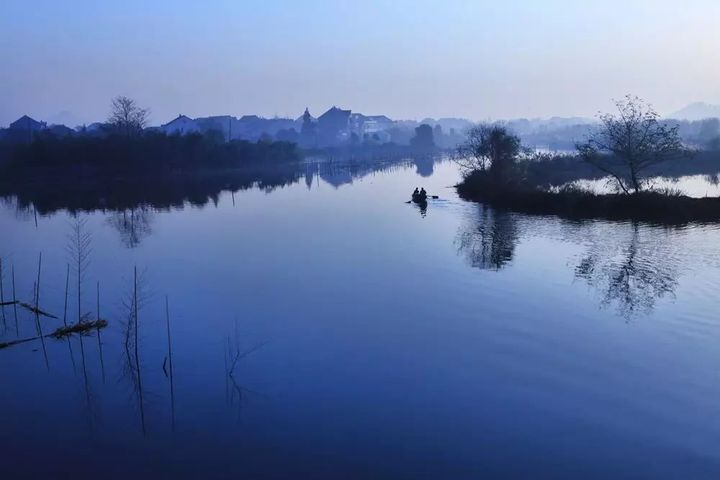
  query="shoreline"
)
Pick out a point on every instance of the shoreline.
point(652, 207)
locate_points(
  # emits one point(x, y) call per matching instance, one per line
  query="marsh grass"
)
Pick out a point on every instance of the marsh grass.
point(662, 207)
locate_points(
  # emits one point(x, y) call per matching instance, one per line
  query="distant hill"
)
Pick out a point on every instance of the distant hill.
point(697, 111)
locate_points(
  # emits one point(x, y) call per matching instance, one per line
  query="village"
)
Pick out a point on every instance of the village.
point(335, 127)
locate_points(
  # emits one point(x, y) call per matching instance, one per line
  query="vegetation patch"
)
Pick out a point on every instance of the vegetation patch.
point(628, 147)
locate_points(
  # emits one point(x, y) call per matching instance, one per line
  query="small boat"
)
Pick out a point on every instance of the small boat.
point(417, 198)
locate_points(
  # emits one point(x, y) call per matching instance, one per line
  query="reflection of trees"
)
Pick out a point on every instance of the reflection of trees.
point(631, 272)
point(134, 225)
point(488, 240)
point(424, 165)
point(133, 302)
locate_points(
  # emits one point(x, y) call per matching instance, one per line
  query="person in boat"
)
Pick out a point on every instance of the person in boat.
point(415, 193)
point(423, 193)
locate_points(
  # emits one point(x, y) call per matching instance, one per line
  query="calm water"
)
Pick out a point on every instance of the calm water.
point(373, 340)
point(697, 186)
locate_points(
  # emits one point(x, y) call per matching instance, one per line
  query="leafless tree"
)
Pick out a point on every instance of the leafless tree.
point(489, 147)
point(127, 117)
point(628, 143)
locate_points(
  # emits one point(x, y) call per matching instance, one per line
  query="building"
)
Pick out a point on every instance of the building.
point(26, 123)
point(373, 129)
point(24, 128)
point(226, 125)
point(181, 125)
point(370, 125)
point(61, 131)
point(333, 126)
point(377, 123)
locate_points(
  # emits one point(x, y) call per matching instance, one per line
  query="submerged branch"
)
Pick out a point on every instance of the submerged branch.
point(82, 328)
point(36, 310)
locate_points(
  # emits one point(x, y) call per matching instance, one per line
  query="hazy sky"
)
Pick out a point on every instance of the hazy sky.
point(405, 58)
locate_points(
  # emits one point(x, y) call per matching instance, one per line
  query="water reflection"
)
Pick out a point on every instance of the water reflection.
point(422, 207)
point(171, 192)
point(488, 238)
point(631, 269)
point(424, 165)
point(629, 265)
point(133, 202)
point(357, 349)
point(133, 225)
point(133, 302)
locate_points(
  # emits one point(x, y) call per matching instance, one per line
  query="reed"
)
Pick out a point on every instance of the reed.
point(170, 359)
point(100, 349)
point(2, 296)
point(37, 312)
point(15, 303)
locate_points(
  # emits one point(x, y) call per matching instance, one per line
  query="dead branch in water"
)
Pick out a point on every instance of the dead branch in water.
point(83, 328)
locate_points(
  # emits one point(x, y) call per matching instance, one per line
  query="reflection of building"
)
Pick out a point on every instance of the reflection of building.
point(180, 126)
point(336, 176)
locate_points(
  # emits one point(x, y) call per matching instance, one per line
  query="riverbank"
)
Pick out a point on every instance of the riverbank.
point(51, 191)
point(655, 207)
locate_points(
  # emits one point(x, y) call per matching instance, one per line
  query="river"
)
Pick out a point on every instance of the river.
point(321, 327)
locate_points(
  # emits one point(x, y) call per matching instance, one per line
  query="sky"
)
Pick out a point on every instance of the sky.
point(408, 59)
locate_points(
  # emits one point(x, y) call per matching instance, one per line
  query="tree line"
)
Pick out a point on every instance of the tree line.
point(126, 147)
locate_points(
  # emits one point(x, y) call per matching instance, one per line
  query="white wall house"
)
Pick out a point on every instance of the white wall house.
point(180, 126)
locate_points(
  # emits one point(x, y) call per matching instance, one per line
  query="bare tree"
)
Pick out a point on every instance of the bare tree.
point(489, 147)
point(127, 117)
point(628, 143)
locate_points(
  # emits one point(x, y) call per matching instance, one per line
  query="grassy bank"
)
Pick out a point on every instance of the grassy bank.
point(653, 207)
